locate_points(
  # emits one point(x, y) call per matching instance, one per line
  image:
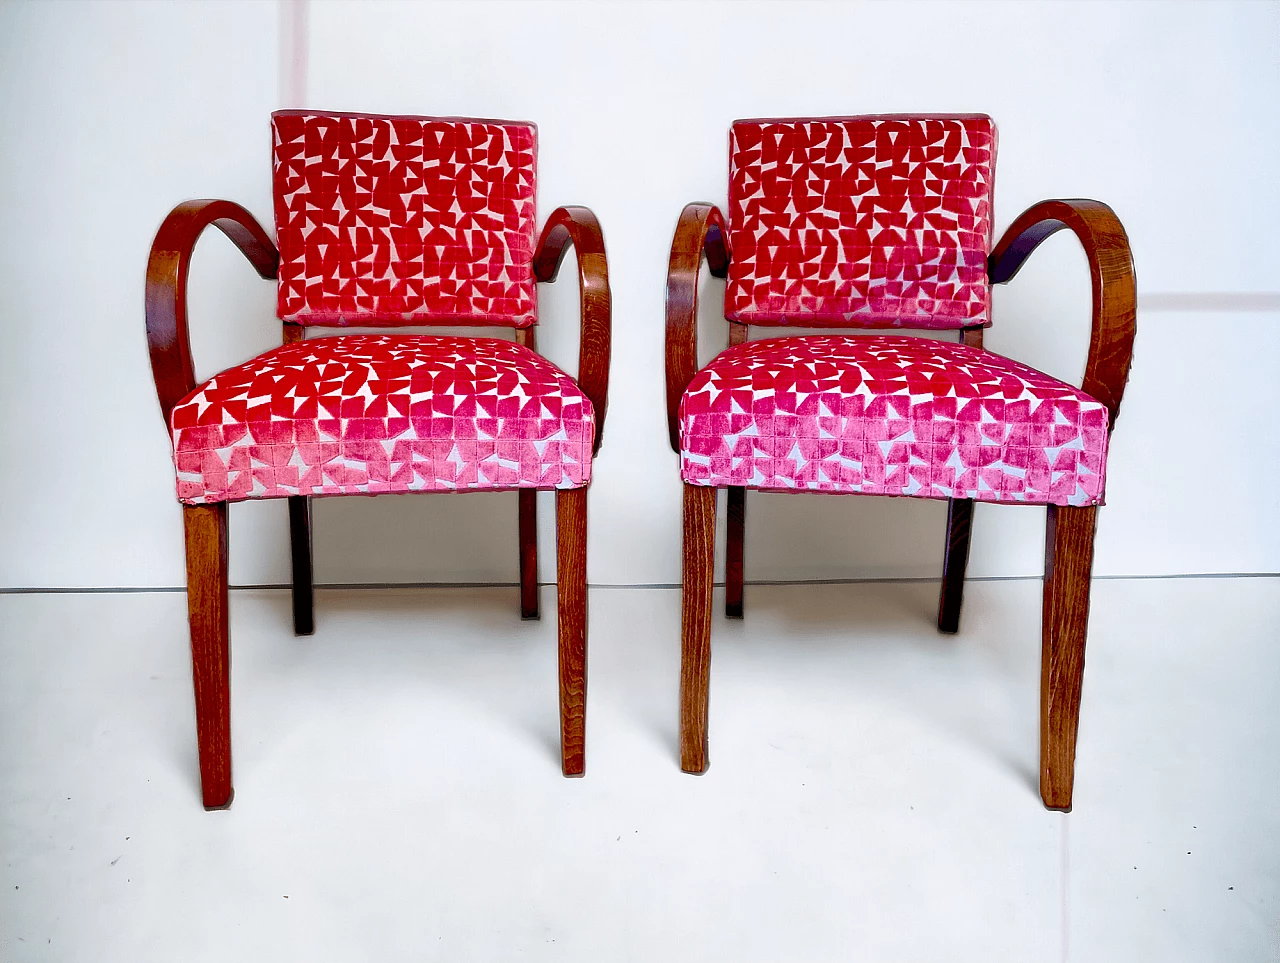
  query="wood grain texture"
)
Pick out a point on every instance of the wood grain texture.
point(205, 530)
point(578, 226)
point(530, 608)
point(167, 270)
point(954, 562)
point(699, 232)
point(1106, 247)
point(695, 624)
point(1068, 565)
point(571, 620)
point(734, 549)
point(304, 593)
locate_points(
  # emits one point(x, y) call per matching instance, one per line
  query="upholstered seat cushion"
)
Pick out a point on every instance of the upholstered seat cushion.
point(369, 415)
point(891, 415)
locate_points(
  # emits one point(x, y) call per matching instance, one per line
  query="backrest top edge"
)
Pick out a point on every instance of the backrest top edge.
point(845, 118)
point(362, 115)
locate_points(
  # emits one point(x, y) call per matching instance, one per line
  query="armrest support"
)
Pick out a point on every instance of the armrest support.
point(579, 227)
point(1114, 292)
point(700, 231)
point(167, 268)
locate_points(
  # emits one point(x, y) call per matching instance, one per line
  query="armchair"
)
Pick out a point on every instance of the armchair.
point(386, 222)
point(883, 222)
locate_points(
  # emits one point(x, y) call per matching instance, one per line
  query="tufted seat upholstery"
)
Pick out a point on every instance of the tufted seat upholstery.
point(365, 414)
point(891, 415)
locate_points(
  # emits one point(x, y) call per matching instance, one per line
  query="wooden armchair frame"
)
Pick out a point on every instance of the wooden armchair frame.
point(205, 526)
point(701, 232)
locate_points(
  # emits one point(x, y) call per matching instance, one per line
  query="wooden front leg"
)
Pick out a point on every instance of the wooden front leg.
point(695, 624)
point(1068, 566)
point(571, 618)
point(207, 606)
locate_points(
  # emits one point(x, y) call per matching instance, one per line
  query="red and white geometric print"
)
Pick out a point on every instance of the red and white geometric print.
point(364, 414)
point(891, 415)
point(404, 220)
point(861, 221)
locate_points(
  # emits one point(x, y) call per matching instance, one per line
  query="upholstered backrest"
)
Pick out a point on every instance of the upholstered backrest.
point(875, 221)
point(404, 220)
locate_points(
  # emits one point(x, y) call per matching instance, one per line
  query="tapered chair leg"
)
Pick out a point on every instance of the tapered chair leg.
point(571, 621)
point(735, 523)
point(206, 542)
point(695, 624)
point(954, 561)
point(1067, 568)
point(529, 607)
point(304, 593)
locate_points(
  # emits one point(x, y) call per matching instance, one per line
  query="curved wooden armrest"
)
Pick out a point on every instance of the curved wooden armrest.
point(1114, 292)
point(167, 285)
point(700, 231)
point(579, 227)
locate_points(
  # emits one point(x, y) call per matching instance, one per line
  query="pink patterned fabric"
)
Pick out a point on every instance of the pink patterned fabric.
point(861, 221)
point(368, 415)
point(404, 220)
point(891, 415)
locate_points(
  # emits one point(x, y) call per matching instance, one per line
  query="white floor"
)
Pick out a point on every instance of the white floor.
point(872, 791)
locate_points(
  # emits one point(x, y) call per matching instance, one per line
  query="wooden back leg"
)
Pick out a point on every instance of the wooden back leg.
point(571, 621)
point(1068, 565)
point(304, 593)
point(528, 526)
point(959, 524)
point(735, 524)
point(955, 560)
point(205, 528)
point(695, 624)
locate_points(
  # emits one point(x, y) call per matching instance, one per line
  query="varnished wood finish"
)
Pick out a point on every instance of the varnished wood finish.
point(167, 270)
point(734, 549)
point(579, 226)
point(205, 529)
point(571, 619)
point(528, 523)
point(1068, 564)
point(700, 231)
point(304, 593)
point(293, 333)
point(1106, 246)
point(954, 562)
point(695, 624)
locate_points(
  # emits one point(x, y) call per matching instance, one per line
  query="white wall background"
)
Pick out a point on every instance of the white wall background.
point(113, 112)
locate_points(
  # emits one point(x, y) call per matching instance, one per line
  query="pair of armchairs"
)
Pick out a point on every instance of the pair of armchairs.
point(862, 222)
